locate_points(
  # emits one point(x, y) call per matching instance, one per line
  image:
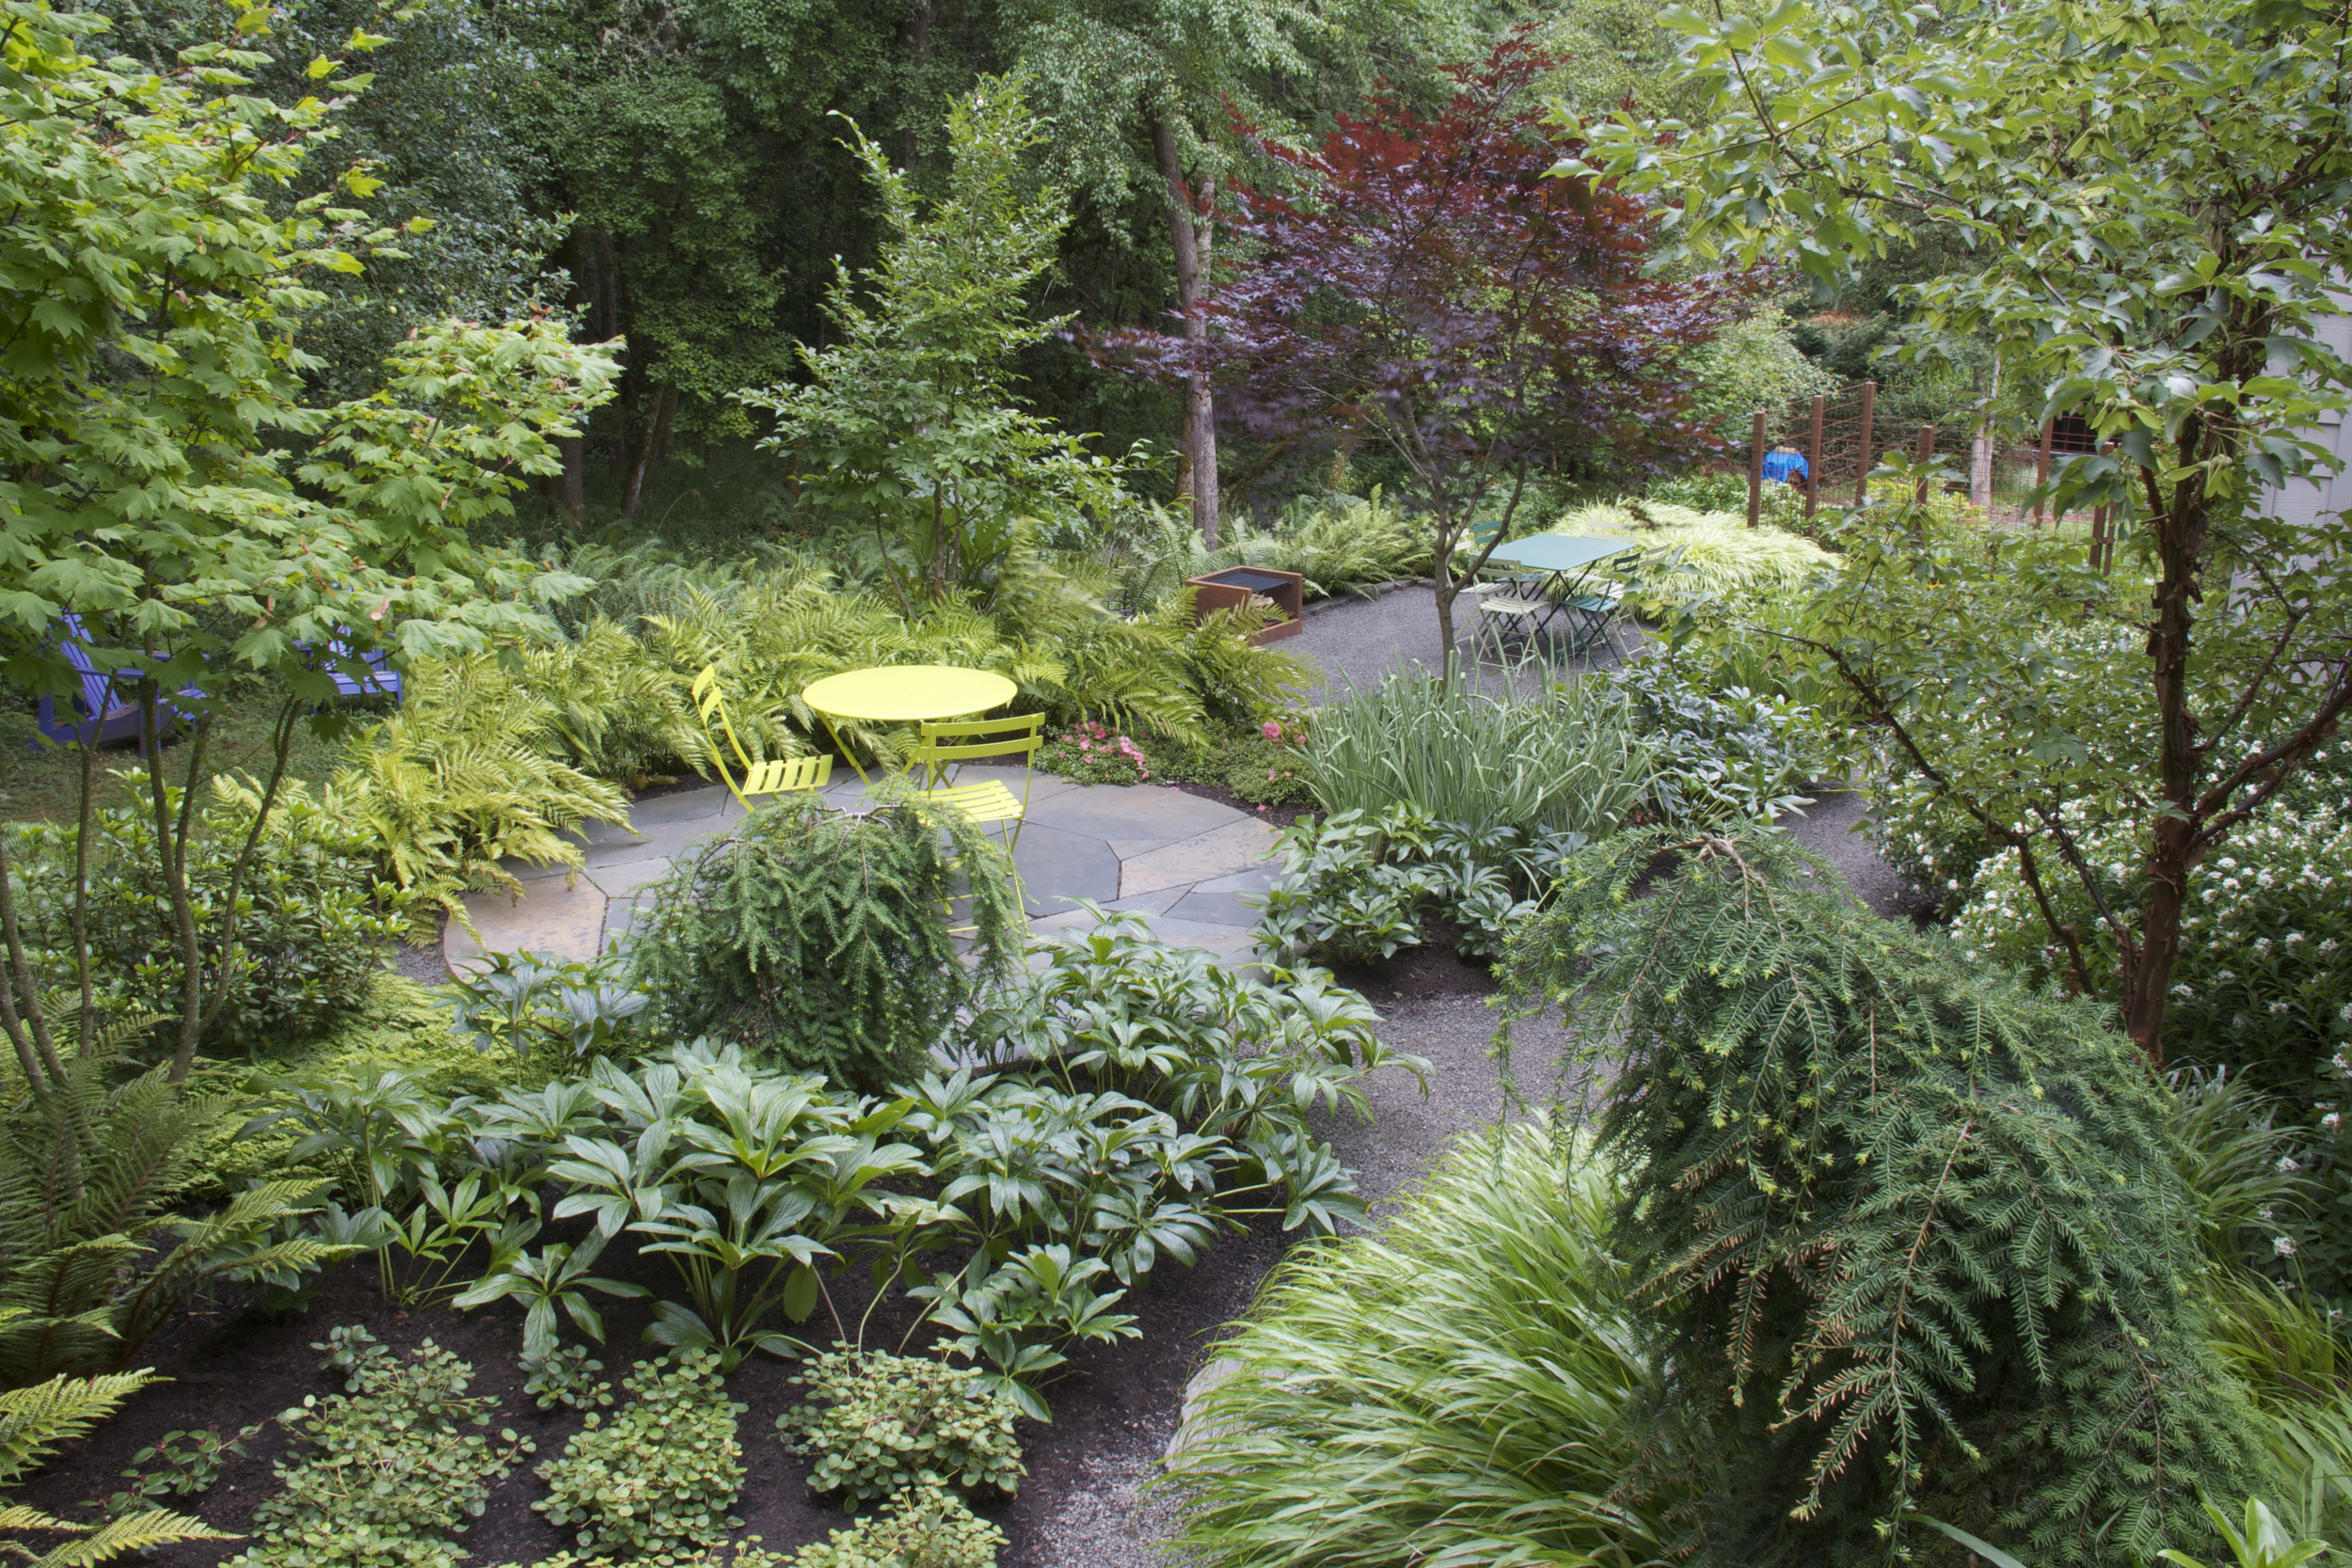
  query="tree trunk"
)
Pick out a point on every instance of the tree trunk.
point(649, 446)
point(1191, 243)
point(1981, 453)
point(571, 486)
point(2179, 532)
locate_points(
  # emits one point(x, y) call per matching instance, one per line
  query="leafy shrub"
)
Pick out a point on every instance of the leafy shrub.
point(1352, 889)
point(380, 1475)
point(1993, 1168)
point(310, 931)
point(1719, 751)
point(878, 1425)
point(1090, 755)
point(1563, 761)
point(2263, 984)
point(1460, 1387)
point(821, 940)
point(519, 1002)
point(923, 1528)
point(464, 775)
point(662, 1472)
point(1687, 554)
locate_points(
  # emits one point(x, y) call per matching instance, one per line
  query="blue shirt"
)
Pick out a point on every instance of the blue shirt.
point(1780, 465)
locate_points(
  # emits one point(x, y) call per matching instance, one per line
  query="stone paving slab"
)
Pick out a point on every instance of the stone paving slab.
point(1234, 847)
point(1179, 859)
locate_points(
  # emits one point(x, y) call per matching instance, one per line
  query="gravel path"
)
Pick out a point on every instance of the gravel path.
point(1112, 1526)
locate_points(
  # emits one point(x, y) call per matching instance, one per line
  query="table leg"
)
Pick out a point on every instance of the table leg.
point(839, 745)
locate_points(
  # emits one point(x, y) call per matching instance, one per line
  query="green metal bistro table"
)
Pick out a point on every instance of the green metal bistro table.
point(904, 694)
point(1561, 561)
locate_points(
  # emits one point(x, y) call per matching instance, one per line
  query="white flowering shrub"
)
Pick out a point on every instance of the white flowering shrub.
point(2264, 984)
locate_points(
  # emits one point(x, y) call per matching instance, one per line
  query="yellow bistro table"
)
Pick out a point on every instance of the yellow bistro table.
point(904, 694)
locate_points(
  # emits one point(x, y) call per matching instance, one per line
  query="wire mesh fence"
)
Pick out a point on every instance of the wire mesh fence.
point(1825, 447)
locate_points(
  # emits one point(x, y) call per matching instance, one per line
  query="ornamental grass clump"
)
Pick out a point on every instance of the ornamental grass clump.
point(1689, 554)
point(877, 1425)
point(1909, 1237)
point(658, 1475)
point(1460, 1388)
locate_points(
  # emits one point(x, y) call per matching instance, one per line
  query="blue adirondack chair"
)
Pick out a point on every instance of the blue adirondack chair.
point(381, 680)
point(99, 715)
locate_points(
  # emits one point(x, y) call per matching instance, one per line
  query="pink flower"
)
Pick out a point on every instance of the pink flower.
point(1271, 729)
point(1085, 745)
point(1269, 773)
point(1261, 808)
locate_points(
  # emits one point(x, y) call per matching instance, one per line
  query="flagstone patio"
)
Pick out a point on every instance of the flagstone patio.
point(1181, 861)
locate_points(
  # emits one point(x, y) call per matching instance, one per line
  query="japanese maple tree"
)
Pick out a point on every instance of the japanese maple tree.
point(1432, 284)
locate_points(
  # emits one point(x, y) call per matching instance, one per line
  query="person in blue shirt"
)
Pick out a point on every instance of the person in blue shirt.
point(1785, 466)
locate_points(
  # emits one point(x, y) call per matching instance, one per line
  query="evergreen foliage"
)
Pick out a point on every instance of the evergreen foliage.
point(658, 1475)
point(95, 1255)
point(820, 940)
point(1914, 1236)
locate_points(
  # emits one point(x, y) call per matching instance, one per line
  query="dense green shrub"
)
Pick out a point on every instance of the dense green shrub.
point(312, 926)
point(1352, 889)
point(923, 1528)
point(380, 1477)
point(1914, 1235)
point(1460, 1388)
point(1566, 760)
point(878, 1424)
point(821, 941)
point(2263, 986)
point(1720, 752)
point(660, 1473)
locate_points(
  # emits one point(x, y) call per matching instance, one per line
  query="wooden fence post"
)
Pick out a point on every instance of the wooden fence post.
point(1862, 469)
point(1756, 470)
point(2041, 467)
point(1813, 457)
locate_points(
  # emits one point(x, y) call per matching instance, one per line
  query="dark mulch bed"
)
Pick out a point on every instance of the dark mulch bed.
point(232, 1367)
point(1273, 817)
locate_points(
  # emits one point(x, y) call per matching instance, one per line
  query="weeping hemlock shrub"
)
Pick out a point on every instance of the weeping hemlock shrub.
point(1911, 1235)
point(821, 942)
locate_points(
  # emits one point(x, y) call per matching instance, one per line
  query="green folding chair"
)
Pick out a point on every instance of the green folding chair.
point(1595, 605)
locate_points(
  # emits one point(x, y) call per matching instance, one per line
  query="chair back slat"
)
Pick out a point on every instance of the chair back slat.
point(781, 775)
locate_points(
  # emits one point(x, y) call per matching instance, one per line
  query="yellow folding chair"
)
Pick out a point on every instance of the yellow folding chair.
point(772, 776)
point(943, 747)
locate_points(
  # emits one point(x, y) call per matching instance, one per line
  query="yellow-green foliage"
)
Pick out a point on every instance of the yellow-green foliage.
point(464, 775)
point(1711, 553)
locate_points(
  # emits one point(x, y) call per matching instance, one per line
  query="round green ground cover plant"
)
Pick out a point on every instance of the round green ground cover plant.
point(923, 1528)
point(1687, 554)
point(1460, 1387)
point(878, 1425)
point(1909, 1237)
point(821, 941)
point(660, 1473)
point(381, 1475)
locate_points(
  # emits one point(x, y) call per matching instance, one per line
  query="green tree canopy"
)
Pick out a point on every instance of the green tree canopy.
point(2153, 198)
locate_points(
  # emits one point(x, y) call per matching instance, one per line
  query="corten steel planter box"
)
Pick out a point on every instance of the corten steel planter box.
point(1231, 587)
